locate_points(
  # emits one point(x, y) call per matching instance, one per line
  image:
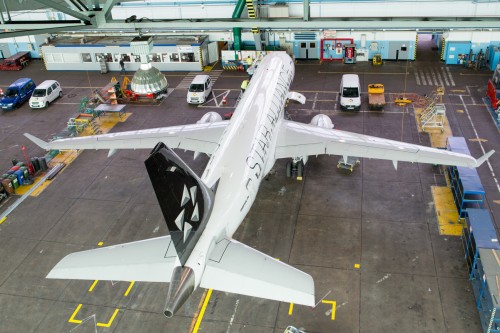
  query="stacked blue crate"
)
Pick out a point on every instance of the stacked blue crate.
point(465, 184)
point(482, 254)
point(478, 233)
point(487, 289)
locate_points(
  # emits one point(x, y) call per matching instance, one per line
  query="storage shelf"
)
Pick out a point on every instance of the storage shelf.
point(482, 255)
point(465, 184)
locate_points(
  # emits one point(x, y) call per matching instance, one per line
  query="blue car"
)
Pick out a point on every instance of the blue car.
point(17, 93)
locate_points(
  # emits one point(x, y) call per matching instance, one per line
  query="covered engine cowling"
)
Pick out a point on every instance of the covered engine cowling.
point(210, 117)
point(322, 120)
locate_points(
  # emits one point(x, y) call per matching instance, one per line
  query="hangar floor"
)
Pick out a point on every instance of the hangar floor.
point(369, 238)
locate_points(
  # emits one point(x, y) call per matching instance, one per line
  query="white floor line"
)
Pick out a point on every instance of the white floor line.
point(480, 143)
point(451, 77)
point(445, 77)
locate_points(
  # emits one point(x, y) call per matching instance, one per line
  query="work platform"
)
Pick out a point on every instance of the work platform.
point(369, 238)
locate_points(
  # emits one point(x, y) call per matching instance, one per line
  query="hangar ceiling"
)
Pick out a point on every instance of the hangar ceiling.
point(95, 15)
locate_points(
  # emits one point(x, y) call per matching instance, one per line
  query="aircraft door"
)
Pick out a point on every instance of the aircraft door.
point(308, 50)
point(303, 54)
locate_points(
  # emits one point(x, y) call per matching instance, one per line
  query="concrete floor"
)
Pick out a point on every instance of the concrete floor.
point(409, 278)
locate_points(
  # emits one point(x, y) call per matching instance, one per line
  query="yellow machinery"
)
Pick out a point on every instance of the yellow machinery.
point(377, 59)
point(376, 98)
point(402, 101)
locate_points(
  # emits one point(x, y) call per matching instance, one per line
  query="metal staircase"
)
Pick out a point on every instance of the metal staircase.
point(433, 117)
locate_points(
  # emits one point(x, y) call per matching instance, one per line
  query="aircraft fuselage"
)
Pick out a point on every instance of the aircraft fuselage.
point(245, 153)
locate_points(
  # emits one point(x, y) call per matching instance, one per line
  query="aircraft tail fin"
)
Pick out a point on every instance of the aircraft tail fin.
point(185, 201)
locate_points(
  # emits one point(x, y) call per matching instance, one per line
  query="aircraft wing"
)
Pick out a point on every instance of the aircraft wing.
point(202, 138)
point(236, 268)
point(147, 260)
point(298, 140)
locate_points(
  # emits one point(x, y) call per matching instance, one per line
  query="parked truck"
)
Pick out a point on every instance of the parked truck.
point(376, 97)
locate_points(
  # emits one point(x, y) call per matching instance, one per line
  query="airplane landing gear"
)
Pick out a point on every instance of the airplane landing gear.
point(295, 168)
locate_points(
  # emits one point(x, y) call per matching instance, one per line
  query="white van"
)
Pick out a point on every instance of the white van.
point(45, 93)
point(350, 92)
point(199, 89)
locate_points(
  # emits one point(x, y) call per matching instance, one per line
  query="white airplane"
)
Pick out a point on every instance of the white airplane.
point(202, 214)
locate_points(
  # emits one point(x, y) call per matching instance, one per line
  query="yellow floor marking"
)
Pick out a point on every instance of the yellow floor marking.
point(446, 211)
point(100, 244)
point(93, 286)
point(438, 138)
point(478, 140)
point(202, 300)
point(129, 288)
point(106, 122)
point(290, 309)
point(299, 178)
point(72, 318)
point(108, 324)
point(202, 311)
point(21, 190)
point(334, 307)
point(357, 265)
point(459, 111)
point(458, 91)
point(3, 219)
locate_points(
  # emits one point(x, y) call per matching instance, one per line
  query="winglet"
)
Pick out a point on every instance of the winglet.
point(37, 141)
point(484, 158)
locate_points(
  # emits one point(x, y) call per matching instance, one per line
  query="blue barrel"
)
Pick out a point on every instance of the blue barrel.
point(20, 176)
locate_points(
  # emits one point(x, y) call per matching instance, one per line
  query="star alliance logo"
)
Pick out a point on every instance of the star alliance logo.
point(180, 221)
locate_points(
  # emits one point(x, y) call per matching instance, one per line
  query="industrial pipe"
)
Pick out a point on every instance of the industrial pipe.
point(240, 5)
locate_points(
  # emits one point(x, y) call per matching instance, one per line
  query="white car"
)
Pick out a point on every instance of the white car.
point(199, 89)
point(45, 93)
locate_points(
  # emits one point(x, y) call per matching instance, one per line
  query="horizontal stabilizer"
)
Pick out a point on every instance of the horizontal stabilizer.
point(236, 268)
point(150, 260)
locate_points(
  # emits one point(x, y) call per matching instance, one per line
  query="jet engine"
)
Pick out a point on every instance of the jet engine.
point(209, 117)
point(295, 167)
point(322, 120)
